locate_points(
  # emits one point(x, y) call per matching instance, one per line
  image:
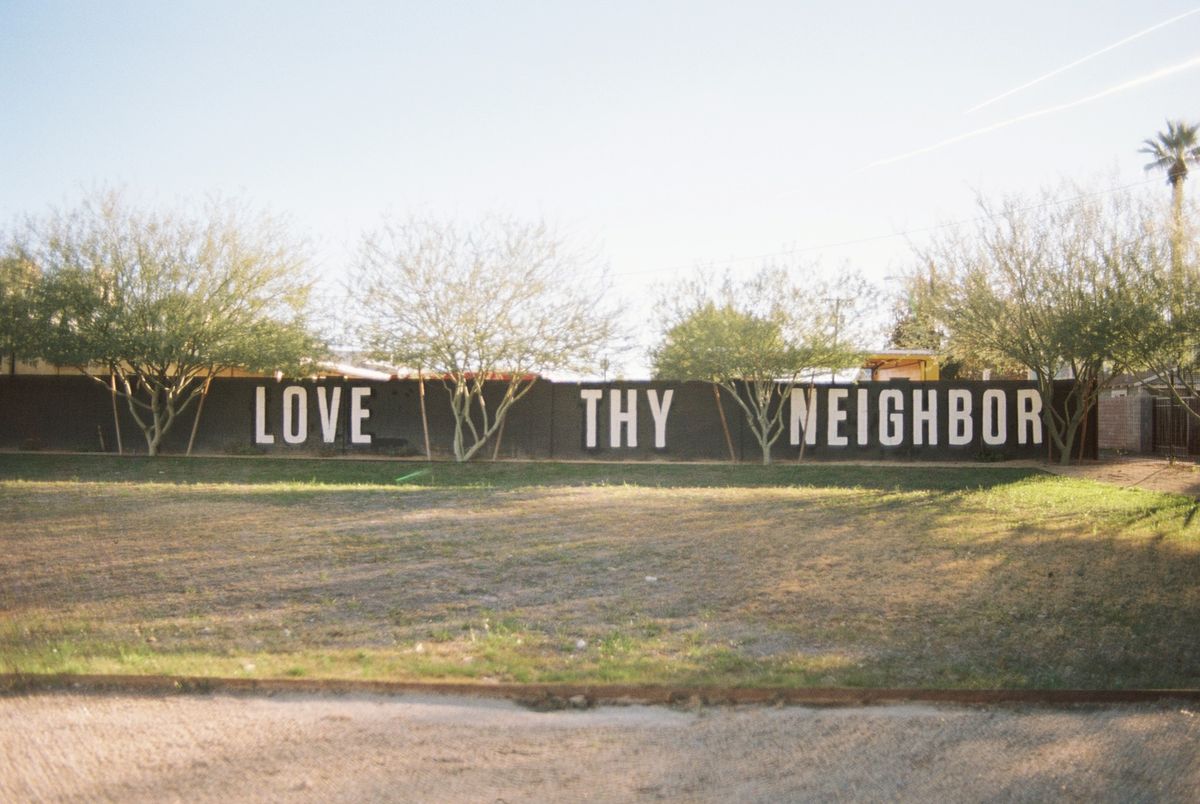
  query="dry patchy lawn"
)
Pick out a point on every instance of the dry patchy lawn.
point(1041, 581)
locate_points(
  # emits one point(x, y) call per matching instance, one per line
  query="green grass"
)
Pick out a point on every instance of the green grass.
point(500, 475)
point(811, 575)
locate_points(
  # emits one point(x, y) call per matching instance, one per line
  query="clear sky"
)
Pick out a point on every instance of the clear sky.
point(665, 133)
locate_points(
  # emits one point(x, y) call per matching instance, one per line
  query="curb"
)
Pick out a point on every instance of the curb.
point(560, 696)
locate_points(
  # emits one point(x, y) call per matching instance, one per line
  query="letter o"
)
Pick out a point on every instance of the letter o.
point(295, 414)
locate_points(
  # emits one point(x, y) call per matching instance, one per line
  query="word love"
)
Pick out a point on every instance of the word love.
point(295, 414)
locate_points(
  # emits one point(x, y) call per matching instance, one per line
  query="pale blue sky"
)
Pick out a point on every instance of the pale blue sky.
point(666, 133)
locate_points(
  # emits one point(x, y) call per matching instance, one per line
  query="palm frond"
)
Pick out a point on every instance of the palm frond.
point(1173, 149)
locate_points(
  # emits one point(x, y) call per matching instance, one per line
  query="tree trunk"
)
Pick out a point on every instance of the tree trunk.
point(1064, 436)
point(764, 437)
point(499, 438)
point(460, 405)
point(154, 435)
point(116, 416)
point(724, 423)
point(199, 410)
point(458, 438)
point(424, 418)
point(1176, 246)
point(162, 416)
point(1068, 441)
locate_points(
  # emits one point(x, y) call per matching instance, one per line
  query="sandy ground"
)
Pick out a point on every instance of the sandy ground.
point(106, 747)
point(1153, 474)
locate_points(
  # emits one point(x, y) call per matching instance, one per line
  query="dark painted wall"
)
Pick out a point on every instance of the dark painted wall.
point(75, 413)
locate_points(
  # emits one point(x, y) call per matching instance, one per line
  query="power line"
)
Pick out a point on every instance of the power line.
point(875, 238)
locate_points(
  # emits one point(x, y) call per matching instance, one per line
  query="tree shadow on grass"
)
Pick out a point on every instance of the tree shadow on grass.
point(1047, 602)
point(1001, 587)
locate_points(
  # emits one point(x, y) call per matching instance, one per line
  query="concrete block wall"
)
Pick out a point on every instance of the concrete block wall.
point(1127, 423)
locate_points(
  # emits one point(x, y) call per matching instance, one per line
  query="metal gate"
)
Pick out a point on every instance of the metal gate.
point(1176, 431)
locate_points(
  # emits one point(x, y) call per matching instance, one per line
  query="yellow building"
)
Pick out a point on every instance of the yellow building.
point(902, 364)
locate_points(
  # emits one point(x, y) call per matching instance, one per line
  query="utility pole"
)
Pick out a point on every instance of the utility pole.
point(837, 322)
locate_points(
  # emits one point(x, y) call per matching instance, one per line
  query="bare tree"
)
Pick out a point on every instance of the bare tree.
point(158, 302)
point(1046, 285)
point(489, 306)
point(759, 338)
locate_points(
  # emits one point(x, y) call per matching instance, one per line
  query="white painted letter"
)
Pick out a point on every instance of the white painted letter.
point(328, 410)
point(1029, 415)
point(864, 417)
point(833, 402)
point(962, 426)
point(359, 414)
point(295, 425)
point(261, 436)
point(618, 418)
point(925, 416)
point(591, 398)
point(891, 425)
point(995, 417)
point(806, 410)
point(659, 414)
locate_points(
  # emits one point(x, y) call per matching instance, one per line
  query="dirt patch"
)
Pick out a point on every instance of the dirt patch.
point(1150, 473)
point(417, 748)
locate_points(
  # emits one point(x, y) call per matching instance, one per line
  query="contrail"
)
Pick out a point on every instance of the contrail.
point(1088, 57)
point(1145, 79)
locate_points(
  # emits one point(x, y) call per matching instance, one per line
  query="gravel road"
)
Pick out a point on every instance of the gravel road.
point(96, 747)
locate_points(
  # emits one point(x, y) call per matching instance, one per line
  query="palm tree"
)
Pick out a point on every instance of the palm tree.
point(1171, 151)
